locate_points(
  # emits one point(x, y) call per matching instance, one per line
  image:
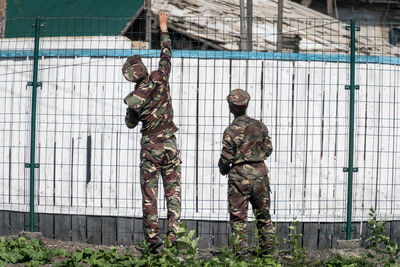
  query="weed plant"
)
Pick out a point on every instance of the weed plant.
point(296, 251)
point(31, 252)
point(386, 251)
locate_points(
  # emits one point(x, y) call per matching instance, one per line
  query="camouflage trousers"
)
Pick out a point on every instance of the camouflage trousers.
point(160, 157)
point(241, 190)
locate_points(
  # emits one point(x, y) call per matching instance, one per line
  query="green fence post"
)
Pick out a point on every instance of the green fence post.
point(32, 165)
point(350, 169)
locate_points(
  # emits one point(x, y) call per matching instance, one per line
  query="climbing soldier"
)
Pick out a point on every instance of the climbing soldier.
point(150, 102)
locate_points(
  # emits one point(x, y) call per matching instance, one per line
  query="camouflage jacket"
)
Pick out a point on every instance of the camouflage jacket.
point(245, 140)
point(151, 98)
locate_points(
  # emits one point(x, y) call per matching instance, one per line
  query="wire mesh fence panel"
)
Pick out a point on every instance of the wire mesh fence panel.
point(376, 129)
point(184, 94)
point(90, 162)
point(15, 125)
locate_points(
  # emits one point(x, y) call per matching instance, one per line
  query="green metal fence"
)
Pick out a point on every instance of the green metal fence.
point(329, 100)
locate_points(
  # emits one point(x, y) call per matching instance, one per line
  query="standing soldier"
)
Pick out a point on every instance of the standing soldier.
point(150, 103)
point(246, 144)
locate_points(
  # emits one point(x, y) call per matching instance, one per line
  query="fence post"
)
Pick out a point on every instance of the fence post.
point(32, 165)
point(350, 169)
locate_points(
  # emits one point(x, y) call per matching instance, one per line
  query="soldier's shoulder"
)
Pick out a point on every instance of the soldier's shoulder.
point(227, 130)
point(255, 122)
point(249, 119)
point(235, 128)
point(262, 124)
point(230, 130)
point(242, 121)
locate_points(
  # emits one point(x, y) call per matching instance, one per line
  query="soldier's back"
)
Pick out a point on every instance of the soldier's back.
point(247, 135)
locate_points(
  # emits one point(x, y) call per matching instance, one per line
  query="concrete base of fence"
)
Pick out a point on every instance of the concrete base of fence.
point(126, 231)
point(30, 234)
point(348, 244)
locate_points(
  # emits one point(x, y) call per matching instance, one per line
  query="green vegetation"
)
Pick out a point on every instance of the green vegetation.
point(296, 251)
point(181, 254)
point(33, 252)
point(101, 257)
point(386, 251)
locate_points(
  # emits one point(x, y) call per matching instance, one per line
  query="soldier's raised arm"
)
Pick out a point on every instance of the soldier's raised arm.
point(166, 48)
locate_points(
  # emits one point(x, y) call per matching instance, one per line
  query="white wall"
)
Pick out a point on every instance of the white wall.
point(303, 103)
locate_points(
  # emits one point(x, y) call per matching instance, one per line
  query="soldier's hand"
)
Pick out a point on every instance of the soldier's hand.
point(224, 171)
point(131, 118)
point(163, 18)
point(223, 168)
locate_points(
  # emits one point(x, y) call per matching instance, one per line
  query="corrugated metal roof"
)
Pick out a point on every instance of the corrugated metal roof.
point(70, 17)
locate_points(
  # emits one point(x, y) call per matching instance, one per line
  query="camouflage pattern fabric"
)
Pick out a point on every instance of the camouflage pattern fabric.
point(246, 144)
point(150, 103)
point(159, 154)
point(151, 98)
point(134, 70)
point(245, 140)
point(241, 190)
point(238, 97)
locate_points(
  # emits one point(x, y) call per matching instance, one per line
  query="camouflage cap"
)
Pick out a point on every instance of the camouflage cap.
point(133, 69)
point(238, 97)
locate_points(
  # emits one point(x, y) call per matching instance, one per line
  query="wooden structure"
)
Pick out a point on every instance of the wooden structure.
point(217, 22)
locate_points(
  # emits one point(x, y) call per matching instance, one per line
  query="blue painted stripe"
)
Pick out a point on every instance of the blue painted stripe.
point(200, 54)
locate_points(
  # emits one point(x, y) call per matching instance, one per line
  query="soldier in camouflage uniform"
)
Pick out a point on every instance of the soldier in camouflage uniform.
point(246, 144)
point(150, 103)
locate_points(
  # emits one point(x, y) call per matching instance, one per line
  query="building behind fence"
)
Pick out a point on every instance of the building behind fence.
point(87, 185)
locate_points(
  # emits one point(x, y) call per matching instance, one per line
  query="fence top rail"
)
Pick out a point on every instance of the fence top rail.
point(207, 54)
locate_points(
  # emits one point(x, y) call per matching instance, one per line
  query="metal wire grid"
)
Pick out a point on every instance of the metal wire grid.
point(89, 161)
point(376, 131)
